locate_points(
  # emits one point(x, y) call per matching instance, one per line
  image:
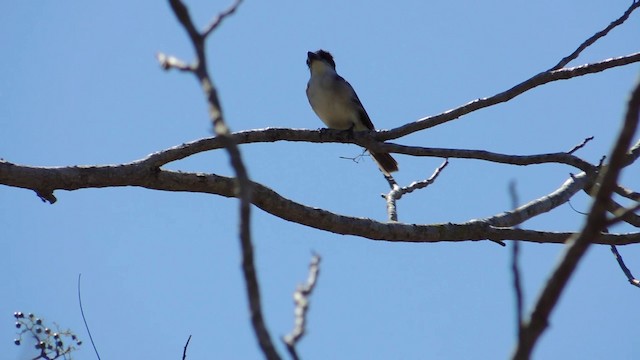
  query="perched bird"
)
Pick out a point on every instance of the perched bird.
point(337, 104)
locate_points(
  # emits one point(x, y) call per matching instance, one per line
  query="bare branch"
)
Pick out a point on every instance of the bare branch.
point(78, 177)
point(171, 62)
point(628, 193)
point(244, 185)
point(543, 204)
point(633, 154)
point(364, 139)
point(580, 146)
point(397, 191)
point(184, 352)
point(578, 244)
point(537, 80)
point(632, 280)
point(218, 20)
point(622, 214)
point(301, 300)
point(515, 268)
point(597, 36)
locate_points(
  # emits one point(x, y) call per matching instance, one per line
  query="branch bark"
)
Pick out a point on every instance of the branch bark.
point(135, 174)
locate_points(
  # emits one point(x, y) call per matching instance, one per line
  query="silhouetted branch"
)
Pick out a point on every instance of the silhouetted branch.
point(184, 351)
point(632, 280)
point(84, 319)
point(596, 36)
point(580, 146)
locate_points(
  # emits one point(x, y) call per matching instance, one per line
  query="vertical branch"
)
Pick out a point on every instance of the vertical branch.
point(577, 245)
point(244, 188)
point(515, 268)
point(84, 319)
point(301, 300)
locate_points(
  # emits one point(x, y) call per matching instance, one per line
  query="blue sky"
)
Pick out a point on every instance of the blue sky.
point(80, 86)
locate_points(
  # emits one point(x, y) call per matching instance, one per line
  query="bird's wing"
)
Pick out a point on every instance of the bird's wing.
point(364, 117)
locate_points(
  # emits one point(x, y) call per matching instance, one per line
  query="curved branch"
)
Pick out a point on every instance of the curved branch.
point(364, 139)
point(42, 179)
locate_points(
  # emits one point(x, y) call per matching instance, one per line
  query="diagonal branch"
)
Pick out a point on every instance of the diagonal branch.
point(578, 244)
point(632, 280)
point(600, 34)
point(537, 80)
point(218, 20)
point(542, 205)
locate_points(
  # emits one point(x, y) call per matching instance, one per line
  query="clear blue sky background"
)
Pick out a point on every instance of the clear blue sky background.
point(79, 85)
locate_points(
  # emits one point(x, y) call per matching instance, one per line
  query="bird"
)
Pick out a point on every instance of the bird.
point(336, 103)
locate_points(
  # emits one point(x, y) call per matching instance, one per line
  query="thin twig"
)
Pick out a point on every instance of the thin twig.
point(184, 352)
point(596, 36)
point(592, 230)
point(515, 269)
point(218, 20)
point(397, 191)
point(301, 300)
point(86, 326)
point(580, 146)
point(632, 280)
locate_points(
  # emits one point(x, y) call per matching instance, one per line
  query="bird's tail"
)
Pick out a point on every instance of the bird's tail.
point(386, 163)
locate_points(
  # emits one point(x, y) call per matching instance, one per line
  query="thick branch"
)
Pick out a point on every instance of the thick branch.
point(74, 178)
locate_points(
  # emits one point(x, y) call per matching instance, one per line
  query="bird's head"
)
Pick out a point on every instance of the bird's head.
point(320, 61)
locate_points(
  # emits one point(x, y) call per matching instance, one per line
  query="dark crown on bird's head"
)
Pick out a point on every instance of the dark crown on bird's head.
point(322, 56)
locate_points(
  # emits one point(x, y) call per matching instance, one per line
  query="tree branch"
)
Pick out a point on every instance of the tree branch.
point(78, 177)
point(543, 204)
point(531, 83)
point(301, 300)
point(244, 187)
point(578, 244)
point(600, 34)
